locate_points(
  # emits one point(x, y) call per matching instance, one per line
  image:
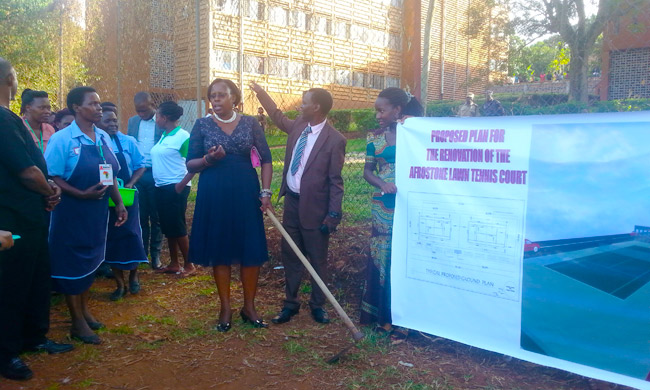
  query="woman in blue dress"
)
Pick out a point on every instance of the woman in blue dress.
point(77, 157)
point(124, 249)
point(228, 227)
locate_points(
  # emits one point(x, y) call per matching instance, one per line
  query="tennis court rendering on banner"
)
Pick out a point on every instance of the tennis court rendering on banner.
point(619, 273)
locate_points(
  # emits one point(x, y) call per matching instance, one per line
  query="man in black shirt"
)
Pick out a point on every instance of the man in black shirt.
point(25, 198)
point(492, 107)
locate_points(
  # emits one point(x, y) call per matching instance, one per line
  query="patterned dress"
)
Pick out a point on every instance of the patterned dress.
point(375, 305)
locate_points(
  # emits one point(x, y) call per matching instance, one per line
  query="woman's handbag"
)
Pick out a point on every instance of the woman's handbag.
point(255, 157)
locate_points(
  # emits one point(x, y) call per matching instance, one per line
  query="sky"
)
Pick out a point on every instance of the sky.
point(588, 180)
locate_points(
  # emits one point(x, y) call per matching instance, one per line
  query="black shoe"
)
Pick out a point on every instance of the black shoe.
point(118, 294)
point(319, 315)
point(223, 327)
point(94, 339)
point(134, 287)
point(51, 347)
point(259, 323)
point(16, 369)
point(284, 316)
point(95, 325)
point(155, 262)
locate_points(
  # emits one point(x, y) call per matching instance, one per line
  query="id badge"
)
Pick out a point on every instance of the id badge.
point(106, 174)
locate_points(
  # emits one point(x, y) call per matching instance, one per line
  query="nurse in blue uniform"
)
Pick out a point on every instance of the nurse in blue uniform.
point(78, 157)
point(124, 249)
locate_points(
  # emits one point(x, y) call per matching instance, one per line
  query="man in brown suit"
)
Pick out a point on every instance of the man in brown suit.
point(312, 187)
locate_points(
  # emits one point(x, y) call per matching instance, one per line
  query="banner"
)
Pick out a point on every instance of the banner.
point(528, 236)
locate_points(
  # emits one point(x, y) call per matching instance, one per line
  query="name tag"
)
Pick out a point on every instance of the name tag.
point(106, 174)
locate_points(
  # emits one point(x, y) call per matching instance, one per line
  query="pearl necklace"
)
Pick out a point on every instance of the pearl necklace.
point(232, 118)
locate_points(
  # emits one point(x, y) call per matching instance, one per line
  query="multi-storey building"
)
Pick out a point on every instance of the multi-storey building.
point(354, 48)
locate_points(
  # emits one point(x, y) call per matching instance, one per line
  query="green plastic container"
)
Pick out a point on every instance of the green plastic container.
point(128, 195)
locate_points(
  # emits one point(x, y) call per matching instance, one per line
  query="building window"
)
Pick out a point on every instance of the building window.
point(392, 82)
point(255, 10)
point(227, 7)
point(226, 60)
point(278, 16)
point(357, 79)
point(343, 77)
point(374, 81)
point(253, 64)
point(298, 71)
point(278, 67)
point(321, 25)
point(395, 42)
point(342, 30)
point(396, 3)
point(321, 74)
point(358, 34)
point(377, 38)
point(299, 20)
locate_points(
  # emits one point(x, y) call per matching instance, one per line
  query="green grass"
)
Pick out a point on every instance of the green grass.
point(356, 145)
point(167, 320)
point(276, 139)
point(121, 329)
point(294, 347)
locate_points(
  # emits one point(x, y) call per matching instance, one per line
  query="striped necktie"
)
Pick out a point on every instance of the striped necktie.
point(300, 149)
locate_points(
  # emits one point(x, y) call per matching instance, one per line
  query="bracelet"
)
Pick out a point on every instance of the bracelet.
point(205, 159)
point(266, 193)
point(334, 214)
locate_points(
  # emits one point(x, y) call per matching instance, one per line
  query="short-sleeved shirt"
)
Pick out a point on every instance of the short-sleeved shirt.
point(132, 153)
point(20, 207)
point(48, 131)
point(168, 158)
point(64, 149)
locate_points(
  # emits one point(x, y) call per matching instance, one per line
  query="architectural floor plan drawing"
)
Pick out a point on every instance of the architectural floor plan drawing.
point(470, 243)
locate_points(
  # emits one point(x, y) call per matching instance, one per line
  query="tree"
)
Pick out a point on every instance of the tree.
point(545, 56)
point(569, 19)
point(30, 30)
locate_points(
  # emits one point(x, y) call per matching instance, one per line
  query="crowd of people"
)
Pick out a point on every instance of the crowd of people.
point(80, 192)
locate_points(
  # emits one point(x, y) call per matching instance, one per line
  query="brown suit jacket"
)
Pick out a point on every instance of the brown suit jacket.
point(321, 186)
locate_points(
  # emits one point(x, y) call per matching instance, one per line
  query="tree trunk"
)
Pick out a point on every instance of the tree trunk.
point(426, 56)
point(579, 71)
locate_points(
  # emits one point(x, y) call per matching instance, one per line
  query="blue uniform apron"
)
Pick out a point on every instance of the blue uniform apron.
point(124, 249)
point(78, 227)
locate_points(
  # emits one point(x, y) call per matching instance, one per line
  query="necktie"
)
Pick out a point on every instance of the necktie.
point(300, 149)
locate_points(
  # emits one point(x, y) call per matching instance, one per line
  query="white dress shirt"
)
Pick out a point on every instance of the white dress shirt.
point(146, 139)
point(293, 181)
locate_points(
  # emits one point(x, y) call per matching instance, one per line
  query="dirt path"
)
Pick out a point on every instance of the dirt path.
point(163, 339)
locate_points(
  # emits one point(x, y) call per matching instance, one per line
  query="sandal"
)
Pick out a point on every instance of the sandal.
point(185, 274)
point(168, 270)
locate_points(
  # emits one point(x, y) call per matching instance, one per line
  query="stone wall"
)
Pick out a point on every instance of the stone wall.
point(543, 87)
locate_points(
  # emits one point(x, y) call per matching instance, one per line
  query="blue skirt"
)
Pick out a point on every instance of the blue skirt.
point(228, 227)
point(124, 249)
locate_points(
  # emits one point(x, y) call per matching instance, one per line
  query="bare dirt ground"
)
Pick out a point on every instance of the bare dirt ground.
point(163, 338)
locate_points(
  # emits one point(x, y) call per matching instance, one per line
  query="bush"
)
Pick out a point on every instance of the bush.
point(542, 104)
point(364, 119)
point(341, 119)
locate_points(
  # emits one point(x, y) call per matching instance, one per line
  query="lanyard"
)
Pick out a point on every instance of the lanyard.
point(40, 143)
point(99, 146)
point(170, 133)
